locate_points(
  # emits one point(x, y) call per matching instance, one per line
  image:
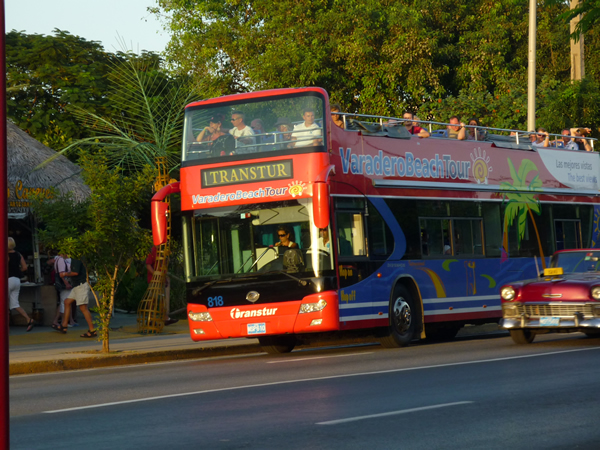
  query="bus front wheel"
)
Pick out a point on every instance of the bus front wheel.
point(275, 345)
point(403, 320)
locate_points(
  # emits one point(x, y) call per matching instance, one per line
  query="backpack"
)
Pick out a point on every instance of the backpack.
point(58, 281)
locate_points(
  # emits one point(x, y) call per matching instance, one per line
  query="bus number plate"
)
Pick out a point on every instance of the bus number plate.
point(257, 328)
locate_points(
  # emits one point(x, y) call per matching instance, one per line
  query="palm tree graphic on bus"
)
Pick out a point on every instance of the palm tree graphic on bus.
point(521, 200)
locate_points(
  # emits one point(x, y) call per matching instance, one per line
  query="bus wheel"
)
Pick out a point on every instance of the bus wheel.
point(275, 345)
point(403, 320)
point(522, 336)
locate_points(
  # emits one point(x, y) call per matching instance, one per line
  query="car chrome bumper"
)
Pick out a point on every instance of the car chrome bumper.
point(565, 322)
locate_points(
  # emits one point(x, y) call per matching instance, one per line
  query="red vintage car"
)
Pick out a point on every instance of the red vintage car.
point(565, 299)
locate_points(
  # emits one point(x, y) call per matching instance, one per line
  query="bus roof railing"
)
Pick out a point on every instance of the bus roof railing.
point(400, 121)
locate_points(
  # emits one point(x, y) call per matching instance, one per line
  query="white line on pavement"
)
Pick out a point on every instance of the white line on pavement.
point(391, 413)
point(332, 377)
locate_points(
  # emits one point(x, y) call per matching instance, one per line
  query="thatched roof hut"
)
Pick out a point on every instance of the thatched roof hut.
point(24, 153)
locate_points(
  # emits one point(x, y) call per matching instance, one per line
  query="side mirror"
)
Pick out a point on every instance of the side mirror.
point(321, 204)
point(159, 222)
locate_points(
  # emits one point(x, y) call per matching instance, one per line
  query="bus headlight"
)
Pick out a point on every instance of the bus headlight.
point(595, 292)
point(507, 293)
point(200, 316)
point(312, 307)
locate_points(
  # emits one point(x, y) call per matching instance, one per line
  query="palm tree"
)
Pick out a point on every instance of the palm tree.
point(522, 200)
point(146, 119)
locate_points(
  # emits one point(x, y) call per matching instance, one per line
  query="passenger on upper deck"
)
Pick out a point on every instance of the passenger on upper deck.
point(242, 132)
point(566, 142)
point(583, 144)
point(213, 130)
point(283, 141)
point(456, 130)
point(258, 128)
point(304, 131)
point(543, 139)
point(337, 119)
point(408, 123)
point(475, 134)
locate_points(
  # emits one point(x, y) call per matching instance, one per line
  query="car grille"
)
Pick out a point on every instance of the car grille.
point(564, 310)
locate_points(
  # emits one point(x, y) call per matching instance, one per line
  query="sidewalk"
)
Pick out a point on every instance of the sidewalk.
point(46, 350)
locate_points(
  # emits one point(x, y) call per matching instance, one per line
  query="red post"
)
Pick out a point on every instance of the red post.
point(4, 398)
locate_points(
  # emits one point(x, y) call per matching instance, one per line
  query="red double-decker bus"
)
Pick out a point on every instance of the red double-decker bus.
point(301, 227)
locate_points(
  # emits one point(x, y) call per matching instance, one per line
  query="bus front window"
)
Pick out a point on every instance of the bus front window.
point(258, 239)
point(257, 126)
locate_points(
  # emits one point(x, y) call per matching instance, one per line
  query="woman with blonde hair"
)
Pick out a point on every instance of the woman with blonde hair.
point(16, 267)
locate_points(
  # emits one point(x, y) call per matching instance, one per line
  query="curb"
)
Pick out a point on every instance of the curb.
point(128, 358)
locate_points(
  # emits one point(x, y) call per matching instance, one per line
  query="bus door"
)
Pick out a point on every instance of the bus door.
point(357, 227)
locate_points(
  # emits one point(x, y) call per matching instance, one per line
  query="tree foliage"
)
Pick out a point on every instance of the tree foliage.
point(47, 74)
point(376, 56)
point(590, 15)
point(103, 231)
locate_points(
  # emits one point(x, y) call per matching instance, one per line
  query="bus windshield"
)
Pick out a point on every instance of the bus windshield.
point(276, 124)
point(260, 239)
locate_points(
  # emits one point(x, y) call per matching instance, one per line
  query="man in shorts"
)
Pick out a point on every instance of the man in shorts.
point(80, 295)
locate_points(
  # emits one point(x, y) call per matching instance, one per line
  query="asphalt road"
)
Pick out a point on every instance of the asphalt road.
point(474, 393)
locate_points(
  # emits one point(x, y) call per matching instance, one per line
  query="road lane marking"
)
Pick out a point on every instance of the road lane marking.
point(315, 357)
point(392, 413)
point(304, 380)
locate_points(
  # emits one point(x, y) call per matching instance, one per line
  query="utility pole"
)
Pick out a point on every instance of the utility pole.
point(4, 398)
point(531, 67)
point(577, 65)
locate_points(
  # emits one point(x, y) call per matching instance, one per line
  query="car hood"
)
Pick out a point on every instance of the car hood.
point(571, 287)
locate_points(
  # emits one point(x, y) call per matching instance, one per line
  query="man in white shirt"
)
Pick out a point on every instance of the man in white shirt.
point(242, 133)
point(309, 129)
point(62, 265)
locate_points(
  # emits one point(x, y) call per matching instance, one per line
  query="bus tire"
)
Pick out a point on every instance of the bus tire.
point(276, 345)
point(404, 317)
point(522, 337)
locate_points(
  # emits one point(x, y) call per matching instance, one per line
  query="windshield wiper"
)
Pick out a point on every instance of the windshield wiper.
point(302, 282)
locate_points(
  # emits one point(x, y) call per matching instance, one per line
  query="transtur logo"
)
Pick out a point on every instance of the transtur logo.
point(235, 313)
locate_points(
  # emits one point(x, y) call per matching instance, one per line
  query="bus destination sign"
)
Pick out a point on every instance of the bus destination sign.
point(247, 173)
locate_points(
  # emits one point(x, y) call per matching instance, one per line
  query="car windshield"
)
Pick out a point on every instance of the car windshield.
point(263, 125)
point(577, 262)
point(257, 239)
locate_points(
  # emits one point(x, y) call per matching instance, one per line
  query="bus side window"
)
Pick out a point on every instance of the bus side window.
point(350, 234)
point(381, 240)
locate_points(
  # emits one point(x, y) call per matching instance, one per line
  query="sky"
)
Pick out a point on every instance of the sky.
point(93, 20)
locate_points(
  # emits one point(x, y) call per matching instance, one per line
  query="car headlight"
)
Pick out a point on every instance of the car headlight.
point(595, 292)
point(312, 307)
point(200, 316)
point(507, 293)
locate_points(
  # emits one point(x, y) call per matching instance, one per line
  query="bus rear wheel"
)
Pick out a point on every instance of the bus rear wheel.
point(522, 336)
point(275, 345)
point(403, 320)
